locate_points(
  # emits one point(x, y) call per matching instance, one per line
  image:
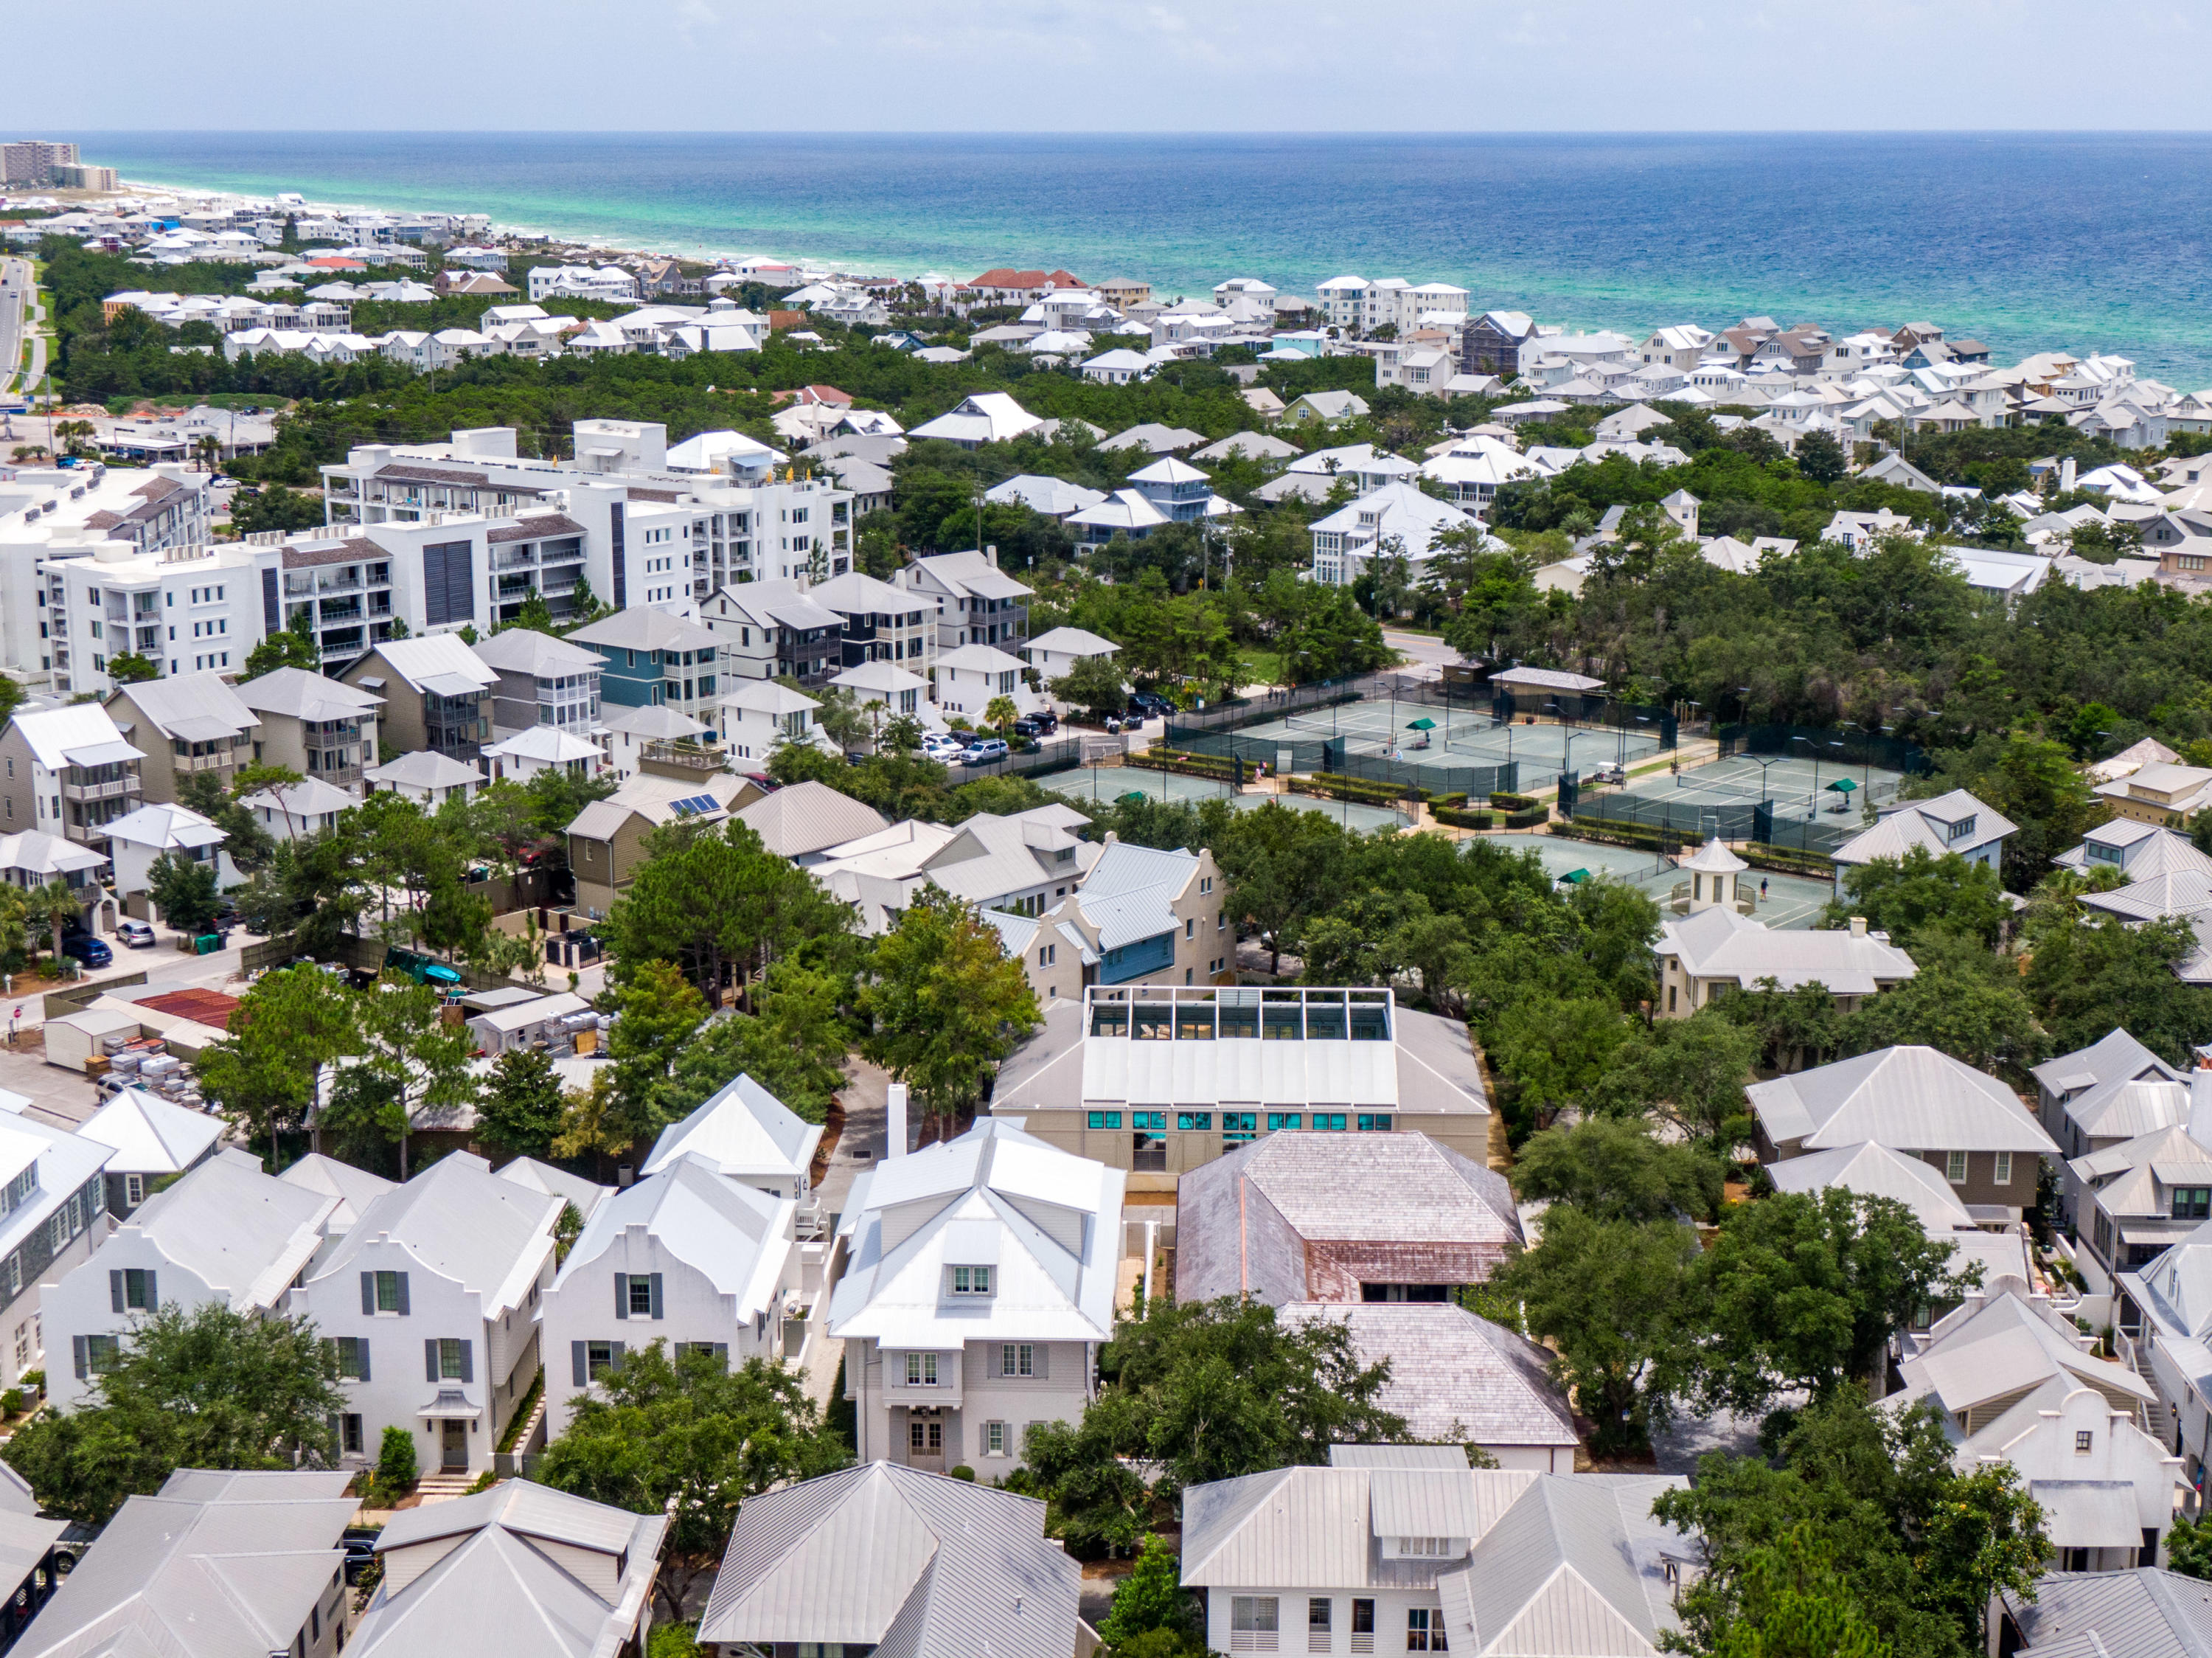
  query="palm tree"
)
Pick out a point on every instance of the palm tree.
point(57, 905)
point(1000, 714)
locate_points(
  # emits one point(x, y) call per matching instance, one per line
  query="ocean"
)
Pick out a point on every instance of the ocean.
point(2026, 241)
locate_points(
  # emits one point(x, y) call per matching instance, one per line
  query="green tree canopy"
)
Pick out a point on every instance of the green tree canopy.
point(1904, 897)
point(1616, 1170)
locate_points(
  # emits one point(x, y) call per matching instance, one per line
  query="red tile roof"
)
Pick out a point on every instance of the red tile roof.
point(201, 1007)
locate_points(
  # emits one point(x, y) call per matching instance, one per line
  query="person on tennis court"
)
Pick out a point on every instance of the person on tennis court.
point(1762, 889)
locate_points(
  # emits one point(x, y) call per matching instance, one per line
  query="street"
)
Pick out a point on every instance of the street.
point(16, 319)
point(1425, 655)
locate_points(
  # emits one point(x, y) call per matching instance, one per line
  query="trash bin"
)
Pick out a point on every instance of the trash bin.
point(207, 943)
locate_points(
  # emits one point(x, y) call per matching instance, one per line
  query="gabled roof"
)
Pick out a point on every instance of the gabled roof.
point(2146, 1612)
point(809, 817)
point(424, 769)
point(1910, 1099)
point(196, 707)
point(149, 1135)
point(2004, 1346)
point(1456, 1379)
point(80, 733)
point(353, 1189)
point(166, 828)
point(1071, 642)
point(305, 696)
point(437, 662)
point(217, 1565)
point(2112, 1056)
point(458, 1218)
point(1720, 943)
point(523, 650)
point(548, 745)
point(1875, 1171)
point(736, 1235)
point(640, 628)
point(913, 1564)
point(744, 1132)
point(243, 1233)
point(584, 1196)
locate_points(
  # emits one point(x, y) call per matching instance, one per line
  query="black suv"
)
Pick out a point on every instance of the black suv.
point(1149, 705)
point(1036, 725)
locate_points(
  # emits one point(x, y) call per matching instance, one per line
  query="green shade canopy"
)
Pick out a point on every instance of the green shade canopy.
point(1424, 723)
point(1842, 785)
point(1134, 795)
point(1577, 876)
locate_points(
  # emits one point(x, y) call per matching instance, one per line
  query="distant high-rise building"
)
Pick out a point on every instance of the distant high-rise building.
point(33, 160)
point(78, 175)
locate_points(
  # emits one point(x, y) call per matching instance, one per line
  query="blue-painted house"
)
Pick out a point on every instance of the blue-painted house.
point(655, 660)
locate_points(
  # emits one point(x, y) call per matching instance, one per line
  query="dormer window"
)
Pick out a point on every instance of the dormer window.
point(1962, 828)
point(970, 1280)
point(1425, 1548)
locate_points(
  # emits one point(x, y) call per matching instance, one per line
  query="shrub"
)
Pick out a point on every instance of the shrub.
point(1445, 814)
point(396, 1470)
point(1505, 802)
point(1528, 819)
point(11, 1402)
point(963, 1471)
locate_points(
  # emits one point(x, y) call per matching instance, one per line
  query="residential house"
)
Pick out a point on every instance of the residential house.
point(1323, 408)
point(1141, 916)
point(2136, 1198)
point(1913, 1100)
point(802, 821)
point(1396, 521)
point(606, 840)
point(544, 748)
point(893, 691)
point(1127, 515)
point(2165, 794)
point(353, 1189)
point(1164, 1081)
point(437, 694)
point(1491, 343)
point(1019, 863)
point(68, 772)
point(885, 1558)
point(654, 659)
point(428, 779)
point(316, 726)
point(432, 1297)
point(774, 630)
point(134, 843)
point(978, 1287)
point(2093, 1078)
point(33, 1556)
point(758, 716)
point(985, 417)
point(53, 1215)
point(638, 737)
point(1715, 945)
point(1321, 1215)
point(1052, 497)
point(1406, 1548)
point(214, 1565)
point(743, 1133)
point(1954, 822)
point(155, 1142)
point(296, 811)
point(698, 1261)
point(226, 1233)
point(541, 681)
point(1053, 653)
point(976, 602)
point(1459, 1379)
point(519, 1569)
point(2017, 1385)
point(185, 724)
point(968, 678)
point(1999, 1248)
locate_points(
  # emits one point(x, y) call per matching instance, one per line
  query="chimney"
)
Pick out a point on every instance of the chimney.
point(2066, 473)
point(895, 1106)
point(992, 553)
point(1858, 927)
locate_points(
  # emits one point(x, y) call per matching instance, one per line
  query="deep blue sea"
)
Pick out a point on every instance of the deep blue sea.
point(2030, 241)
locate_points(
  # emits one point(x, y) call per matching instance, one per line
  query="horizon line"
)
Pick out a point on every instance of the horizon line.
point(2163, 131)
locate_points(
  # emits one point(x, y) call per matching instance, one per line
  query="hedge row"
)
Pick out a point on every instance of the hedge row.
point(1610, 832)
point(1219, 767)
point(1458, 820)
point(1505, 802)
point(1529, 818)
point(1360, 791)
point(1788, 860)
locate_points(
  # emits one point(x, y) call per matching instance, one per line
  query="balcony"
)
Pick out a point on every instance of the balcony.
point(523, 559)
point(215, 762)
point(688, 757)
point(110, 789)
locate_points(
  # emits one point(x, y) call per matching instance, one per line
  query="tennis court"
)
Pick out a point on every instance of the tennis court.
point(1792, 902)
point(1800, 788)
point(1456, 736)
point(1111, 783)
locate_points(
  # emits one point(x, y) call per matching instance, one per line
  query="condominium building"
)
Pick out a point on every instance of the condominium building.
point(195, 609)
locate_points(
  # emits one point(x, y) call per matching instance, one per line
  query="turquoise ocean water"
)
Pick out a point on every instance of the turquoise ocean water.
point(2030, 241)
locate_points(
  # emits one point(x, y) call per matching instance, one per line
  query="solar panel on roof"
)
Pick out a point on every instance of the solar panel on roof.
point(693, 803)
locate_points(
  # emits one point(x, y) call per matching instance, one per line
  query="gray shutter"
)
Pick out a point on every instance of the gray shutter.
point(368, 1295)
point(579, 1372)
point(655, 1285)
point(722, 1354)
point(153, 1291)
point(468, 1360)
point(403, 1296)
point(430, 1358)
point(1042, 1357)
point(77, 1354)
point(622, 1294)
point(360, 1355)
point(619, 1350)
point(115, 1291)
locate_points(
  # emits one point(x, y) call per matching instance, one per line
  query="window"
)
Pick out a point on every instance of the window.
point(1377, 1122)
point(2084, 1442)
point(995, 1439)
point(1154, 1121)
point(101, 1353)
point(971, 1280)
point(1279, 1120)
point(1194, 1122)
point(349, 1438)
point(1329, 1121)
point(600, 1356)
point(2192, 1203)
point(134, 1190)
point(1319, 1612)
point(1190, 928)
point(1105, 1120)
point(1252, 1623)
point(921, 1369)
point(1047, 956)
point(391, 1292)
point(640, 1296)
point(2003, 1176)
point(353, 1359)
point(451, 1366)
point(1955, 1167)
point(1423, 1548)
point(1018, 1359)
point(1418, 1632)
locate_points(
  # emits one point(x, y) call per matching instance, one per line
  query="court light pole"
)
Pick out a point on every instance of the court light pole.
point(1809, 743)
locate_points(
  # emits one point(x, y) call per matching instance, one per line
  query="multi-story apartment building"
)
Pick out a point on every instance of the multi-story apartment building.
point(192, 724)
point(312, 725)
point(67, 772)
point(35, 161)
point(813, 631)
point(980, 1285)
point(185, 609)
point(976, 602)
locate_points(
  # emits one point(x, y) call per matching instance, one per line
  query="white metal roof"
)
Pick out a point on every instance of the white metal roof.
point(743, 1132)
point(149, 1135)
point(1908, 1098)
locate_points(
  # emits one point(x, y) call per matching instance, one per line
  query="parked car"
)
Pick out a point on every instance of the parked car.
point(135, 934)
point(941, 747)
point(84, 948)
point(1036, 725)
point(983, 751)
point(1149, 705)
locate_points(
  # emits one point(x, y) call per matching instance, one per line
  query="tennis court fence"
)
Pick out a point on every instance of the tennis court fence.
point(1693, 820)
point(1850, 744)
point(1307, 754)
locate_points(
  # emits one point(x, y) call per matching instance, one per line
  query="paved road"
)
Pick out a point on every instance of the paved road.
point(1421, 650)
point(16, 292)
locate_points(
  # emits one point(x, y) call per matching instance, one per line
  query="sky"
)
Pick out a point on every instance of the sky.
point(1111, 65)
